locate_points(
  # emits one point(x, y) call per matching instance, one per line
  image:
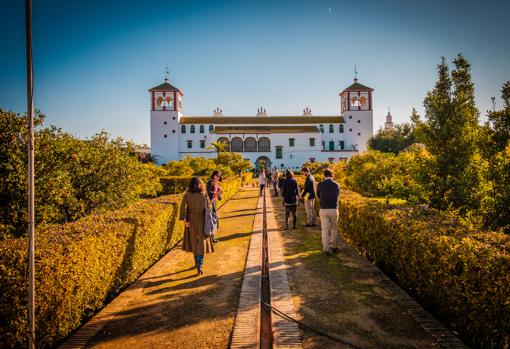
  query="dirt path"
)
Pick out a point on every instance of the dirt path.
point(170, 307)
point(335, 294)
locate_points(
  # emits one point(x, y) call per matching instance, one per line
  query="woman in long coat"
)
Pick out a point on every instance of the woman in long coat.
point(193, 206)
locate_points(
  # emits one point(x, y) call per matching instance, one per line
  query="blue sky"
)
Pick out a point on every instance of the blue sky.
point(95, 60)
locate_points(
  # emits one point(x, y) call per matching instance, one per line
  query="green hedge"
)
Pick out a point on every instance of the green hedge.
point(80, 266)
point(461, 276)
point(179, 184)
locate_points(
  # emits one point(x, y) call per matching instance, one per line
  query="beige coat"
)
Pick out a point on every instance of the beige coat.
point(193, 208)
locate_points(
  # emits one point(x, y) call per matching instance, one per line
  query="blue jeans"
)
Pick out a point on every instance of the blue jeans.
point(199, 259)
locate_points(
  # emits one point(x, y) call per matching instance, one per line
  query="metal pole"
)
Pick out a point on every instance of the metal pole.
point(31, 191)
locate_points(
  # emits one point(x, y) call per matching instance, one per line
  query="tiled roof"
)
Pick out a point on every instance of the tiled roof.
point(261, 120)
point(357, 87)
point(265, 129)
point(165, 87)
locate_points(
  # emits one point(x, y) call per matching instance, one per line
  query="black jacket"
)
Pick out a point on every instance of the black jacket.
point(290, 191)
point(328, 192)
point(309, 187)
point(209, 187)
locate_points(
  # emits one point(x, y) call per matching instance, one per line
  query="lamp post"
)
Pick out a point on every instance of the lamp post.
point(31, 191)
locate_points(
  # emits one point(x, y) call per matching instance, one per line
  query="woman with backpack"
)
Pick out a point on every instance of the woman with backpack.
point(194, 204)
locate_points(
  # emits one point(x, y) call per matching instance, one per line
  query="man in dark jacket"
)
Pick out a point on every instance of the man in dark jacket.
point(308, 195)
point(290, 194)
point(328, 191)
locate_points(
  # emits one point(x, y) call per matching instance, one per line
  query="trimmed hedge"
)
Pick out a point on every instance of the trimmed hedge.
point(81, 266)
point(460, 275)
point(179, 184)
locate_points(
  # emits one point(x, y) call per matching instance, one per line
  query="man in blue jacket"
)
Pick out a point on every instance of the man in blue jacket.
point(328, 191)
point(308, 195)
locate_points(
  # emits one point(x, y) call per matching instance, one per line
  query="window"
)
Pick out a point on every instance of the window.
point(173, 131)
point(202, 129)
point(321, 128)
point(359, 121)
point(350, 130)
point(264, 144)
point(183, 128)
point(164, 122)
point(192, 129)
point(202, 144)
point(341, 145)
point(341, 128)
point(312, 142)
point(359, 134)
point(165, 136)
point(291, 142)
point(350, 116)
point(250, 144)
point(279, 152)
point(323, 144)
point(211, 128)
point(331, 128)
point(331, 145)
point(237, 144)
point(190, 144)
point(173, 118)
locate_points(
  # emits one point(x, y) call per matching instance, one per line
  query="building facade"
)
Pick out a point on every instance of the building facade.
point(275, 141)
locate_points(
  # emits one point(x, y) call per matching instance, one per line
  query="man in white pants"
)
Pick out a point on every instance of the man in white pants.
point(328, 192)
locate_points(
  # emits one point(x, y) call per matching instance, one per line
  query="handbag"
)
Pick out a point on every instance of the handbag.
point(211, 220)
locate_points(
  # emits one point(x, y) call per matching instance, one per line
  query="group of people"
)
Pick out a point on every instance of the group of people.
point(199, 198)
point(327, 191)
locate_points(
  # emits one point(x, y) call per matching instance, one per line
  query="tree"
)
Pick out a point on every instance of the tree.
point(450, 134)
point(393, 141)
point(219, 147)
point(497, 129)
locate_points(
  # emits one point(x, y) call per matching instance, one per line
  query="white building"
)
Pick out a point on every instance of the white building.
point(388, 125)
point(277, 141)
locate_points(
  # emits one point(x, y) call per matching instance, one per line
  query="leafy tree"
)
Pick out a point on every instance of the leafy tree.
point(497, 129)
point(73, 177)
point(449, 133)
point(393, 141)
point(218, 147)
point(234, 161)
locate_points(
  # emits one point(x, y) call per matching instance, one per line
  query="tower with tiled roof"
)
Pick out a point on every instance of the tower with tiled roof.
point(166, 112)
point(356, 109)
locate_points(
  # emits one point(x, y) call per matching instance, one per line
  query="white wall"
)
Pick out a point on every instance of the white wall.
point(165, 148)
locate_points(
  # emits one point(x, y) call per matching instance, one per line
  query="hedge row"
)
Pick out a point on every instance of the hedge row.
point(179, 184)
point(460, 275)
point(80, 266)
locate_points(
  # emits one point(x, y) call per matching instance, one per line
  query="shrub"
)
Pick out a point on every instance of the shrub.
point(81, 265)
point(460, 275)
point(74, 177)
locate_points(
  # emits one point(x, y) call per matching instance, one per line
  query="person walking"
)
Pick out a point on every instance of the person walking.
point(262, 180)
point(193, 206)
point(275, 182)
point(308, 195)
point(214, 192)
point(290, 194)
point(328, 191)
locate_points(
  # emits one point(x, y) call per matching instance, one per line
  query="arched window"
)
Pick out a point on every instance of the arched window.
point(211, 128)
point(183, 128)
point(202, 129)
point(264, 144)
point(225, 141)
point(237, 144)
point(331, 128)
point(250, 144)
point(341, 128)
point(321, 128)
point(192, 129)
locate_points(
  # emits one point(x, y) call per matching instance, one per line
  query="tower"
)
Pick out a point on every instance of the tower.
point(388, 125)
point(356, 110)
point(166, 111)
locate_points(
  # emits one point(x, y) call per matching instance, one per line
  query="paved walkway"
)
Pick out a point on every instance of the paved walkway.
point(169, 306)
point(346, 296)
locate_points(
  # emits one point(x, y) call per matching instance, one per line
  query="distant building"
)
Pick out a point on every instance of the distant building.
point(276, 141)
point(388, 125)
